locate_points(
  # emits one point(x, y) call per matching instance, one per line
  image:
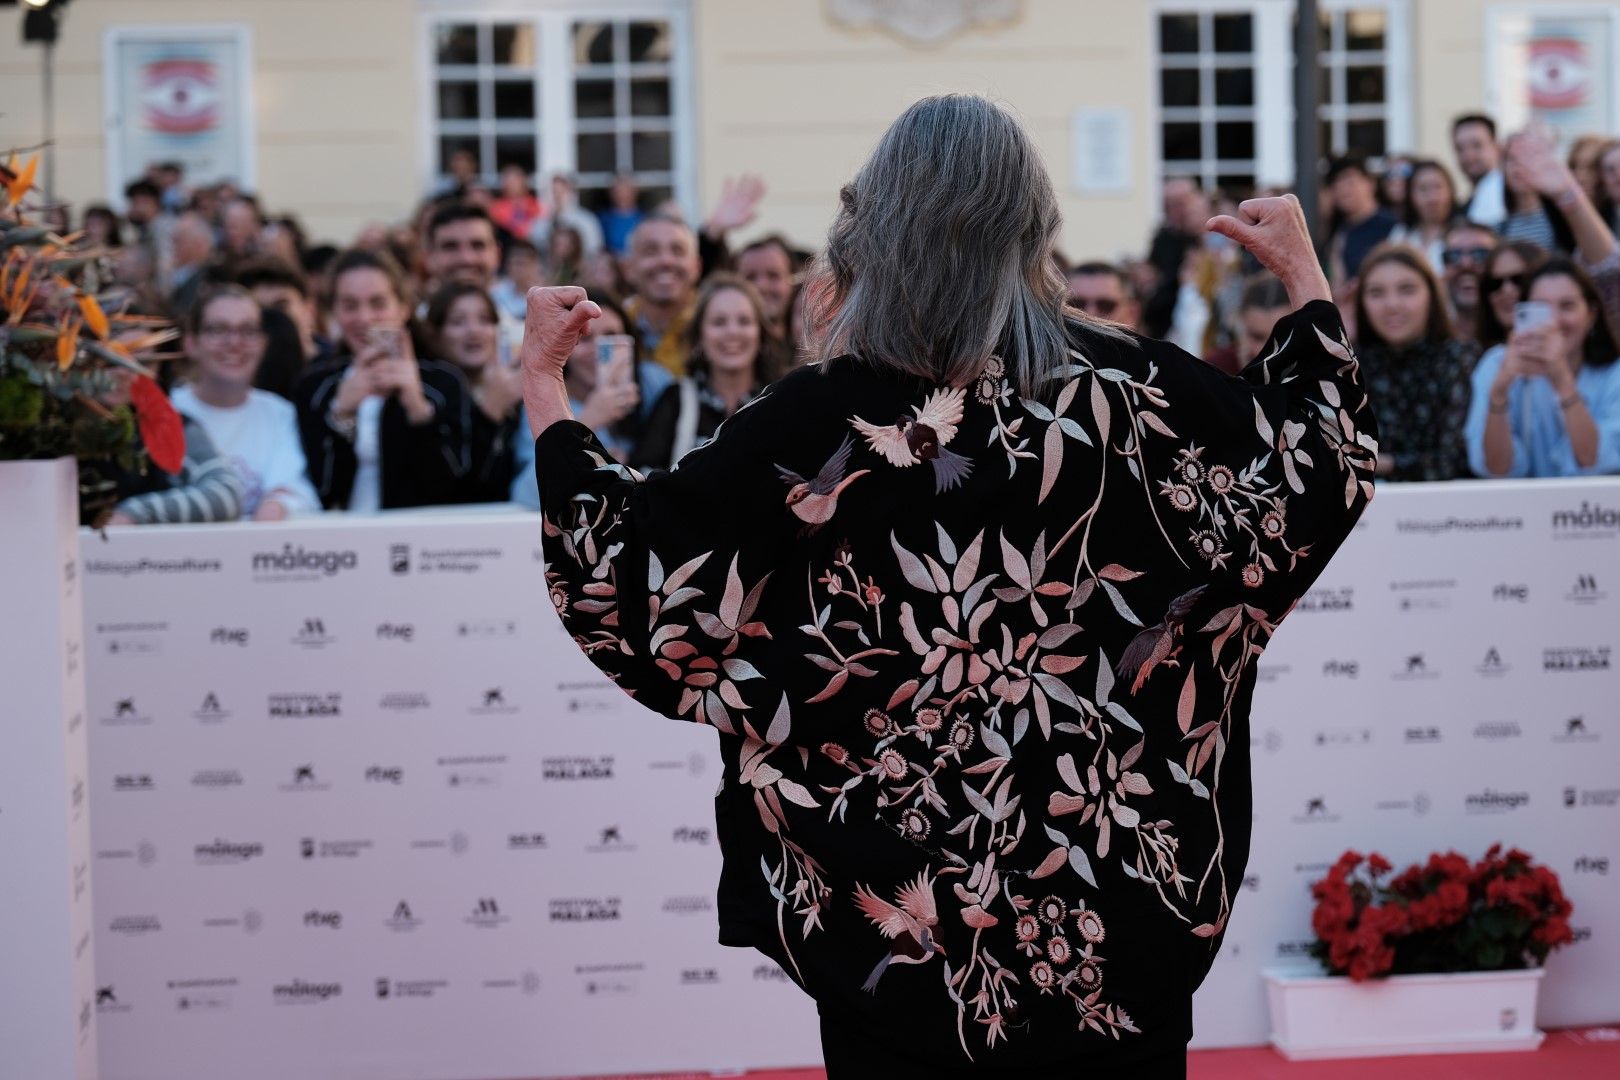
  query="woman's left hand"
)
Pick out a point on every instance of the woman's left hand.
point(500, 391)
point(1544, 349)
point(1536, 153)
point(1557, 366)
point(401, 376)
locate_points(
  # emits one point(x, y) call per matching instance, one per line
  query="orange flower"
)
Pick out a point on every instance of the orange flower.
point(18, 181)
point(67, 344)
point(94, 317)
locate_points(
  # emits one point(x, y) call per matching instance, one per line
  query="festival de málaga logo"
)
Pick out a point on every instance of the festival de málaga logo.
point(298, 563)
point(1589, 521)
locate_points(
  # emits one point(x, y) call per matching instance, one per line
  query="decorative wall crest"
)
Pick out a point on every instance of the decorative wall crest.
point(922, 22)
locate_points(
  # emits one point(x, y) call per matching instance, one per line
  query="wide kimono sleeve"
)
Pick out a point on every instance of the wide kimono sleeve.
point(658, 577)
point(1257, 479)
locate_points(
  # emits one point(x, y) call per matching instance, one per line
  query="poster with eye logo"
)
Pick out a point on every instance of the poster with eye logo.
point(1555, 64)
point(179, 94)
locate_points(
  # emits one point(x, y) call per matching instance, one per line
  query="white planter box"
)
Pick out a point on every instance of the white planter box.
point(1319, 1016)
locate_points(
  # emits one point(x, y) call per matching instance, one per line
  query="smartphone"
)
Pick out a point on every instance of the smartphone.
point(1531, 315)
point(615, 358)
point(385, 338)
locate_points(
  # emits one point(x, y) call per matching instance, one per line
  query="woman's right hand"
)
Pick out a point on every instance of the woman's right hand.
point(1525, 359)
point(358, 383)
point(1274, 231)
point(609, 403)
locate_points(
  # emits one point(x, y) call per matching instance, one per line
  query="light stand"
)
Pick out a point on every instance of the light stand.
point(42, 23)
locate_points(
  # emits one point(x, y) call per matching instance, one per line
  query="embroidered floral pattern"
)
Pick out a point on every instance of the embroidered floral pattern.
point(999, 696)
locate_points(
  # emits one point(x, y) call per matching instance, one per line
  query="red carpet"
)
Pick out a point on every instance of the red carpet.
point(1576, 1054)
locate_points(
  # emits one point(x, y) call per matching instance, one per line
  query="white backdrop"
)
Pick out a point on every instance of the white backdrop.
point(47, 970)
point(360, 810)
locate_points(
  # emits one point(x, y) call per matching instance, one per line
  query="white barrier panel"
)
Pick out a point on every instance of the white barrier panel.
point(1450, 682)
point(361, 810)
point(47, 1012)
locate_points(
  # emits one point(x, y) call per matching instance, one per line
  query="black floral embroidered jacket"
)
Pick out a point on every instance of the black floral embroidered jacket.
point(981, 667)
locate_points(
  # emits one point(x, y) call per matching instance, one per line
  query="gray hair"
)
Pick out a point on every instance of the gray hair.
point(942, 253)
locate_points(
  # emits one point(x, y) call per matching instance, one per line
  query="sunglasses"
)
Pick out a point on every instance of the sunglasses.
point(1102, 308)
point(1452, 256)
point(1519, 281)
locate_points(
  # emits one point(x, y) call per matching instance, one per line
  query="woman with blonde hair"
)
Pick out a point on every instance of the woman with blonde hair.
point(729, 362)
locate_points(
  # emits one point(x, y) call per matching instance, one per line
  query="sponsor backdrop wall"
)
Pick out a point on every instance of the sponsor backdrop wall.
point(359, 809)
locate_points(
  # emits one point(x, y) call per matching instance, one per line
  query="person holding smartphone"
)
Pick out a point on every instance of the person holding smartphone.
point(465, 325)
point(728, 366)
point(602, 392)
point(1547, 403)
point(382, 428)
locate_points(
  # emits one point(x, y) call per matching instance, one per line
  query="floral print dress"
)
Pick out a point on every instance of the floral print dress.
point(981, 668)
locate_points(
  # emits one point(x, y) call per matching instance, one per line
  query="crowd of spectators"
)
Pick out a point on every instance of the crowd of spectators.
point(1483, 303)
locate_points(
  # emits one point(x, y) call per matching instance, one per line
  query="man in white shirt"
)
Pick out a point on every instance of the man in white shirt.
point(255, 429)
point(1473, 137)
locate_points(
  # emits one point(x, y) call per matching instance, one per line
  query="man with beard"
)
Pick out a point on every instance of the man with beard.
point(1105, 291)
point(767, 265)
point(1479, 156)
point(1467, 247)
point(663, 269)
point(461, 248)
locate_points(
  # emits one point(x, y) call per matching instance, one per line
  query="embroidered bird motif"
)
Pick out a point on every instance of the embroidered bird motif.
point(908, 923)
point(923, 436)
point(815, 501)
point(1157, 644)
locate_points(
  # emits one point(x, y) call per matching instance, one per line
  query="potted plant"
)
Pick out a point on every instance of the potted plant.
point(1444, 957)
point(75, 379)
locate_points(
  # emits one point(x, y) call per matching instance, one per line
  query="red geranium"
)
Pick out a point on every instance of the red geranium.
point(1445, 914)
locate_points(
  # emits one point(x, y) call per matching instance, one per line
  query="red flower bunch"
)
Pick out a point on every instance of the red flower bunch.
point(1445, 914)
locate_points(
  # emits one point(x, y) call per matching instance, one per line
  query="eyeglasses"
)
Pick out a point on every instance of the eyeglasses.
point(223, 333)
point(1477, 255)
point(1518, 281)
point(1102, 307)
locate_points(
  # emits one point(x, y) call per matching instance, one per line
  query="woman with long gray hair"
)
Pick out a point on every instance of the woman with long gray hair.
point(974, 602)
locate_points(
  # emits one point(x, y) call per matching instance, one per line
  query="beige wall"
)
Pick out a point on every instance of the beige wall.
point(335, 95)
point(1448, 70)
point(779, 89)
point(783, 91)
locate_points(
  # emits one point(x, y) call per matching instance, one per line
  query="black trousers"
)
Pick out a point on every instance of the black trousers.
point(851, 1053)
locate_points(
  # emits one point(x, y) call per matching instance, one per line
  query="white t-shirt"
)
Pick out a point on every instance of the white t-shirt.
point(260, 437)
point(366, 495)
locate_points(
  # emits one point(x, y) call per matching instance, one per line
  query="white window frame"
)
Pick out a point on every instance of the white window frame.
point(1396, 57)
point(1274, 78)
point(556, 150)
point(1208, 113)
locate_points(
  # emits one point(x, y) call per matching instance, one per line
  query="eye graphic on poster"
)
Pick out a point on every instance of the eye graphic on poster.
point(1554, 66)
point(181, 97)
point(1559, 73)
point(182, 94)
